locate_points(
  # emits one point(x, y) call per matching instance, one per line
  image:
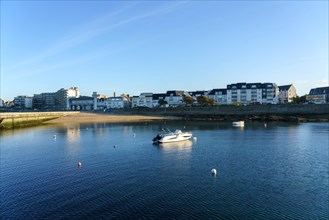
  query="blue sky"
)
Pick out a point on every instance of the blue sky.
point(154, 46)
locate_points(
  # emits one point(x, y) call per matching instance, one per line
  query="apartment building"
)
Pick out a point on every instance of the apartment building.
point(287, 93)
point(23, 102)
point(247, 93)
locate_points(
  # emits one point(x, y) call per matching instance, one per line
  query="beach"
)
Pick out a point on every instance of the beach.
point(105, 118)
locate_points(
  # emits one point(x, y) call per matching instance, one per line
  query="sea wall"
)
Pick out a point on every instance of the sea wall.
point(11, 120)
point(289, 112)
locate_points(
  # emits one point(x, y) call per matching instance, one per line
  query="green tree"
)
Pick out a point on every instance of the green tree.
point(205, 101)
point(162, 102)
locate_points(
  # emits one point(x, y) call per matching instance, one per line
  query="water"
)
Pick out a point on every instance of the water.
point(277, 172)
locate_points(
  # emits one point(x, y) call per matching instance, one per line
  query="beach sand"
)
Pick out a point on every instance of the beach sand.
point(105, 118)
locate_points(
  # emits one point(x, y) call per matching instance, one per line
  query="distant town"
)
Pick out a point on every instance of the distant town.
point(69, 99)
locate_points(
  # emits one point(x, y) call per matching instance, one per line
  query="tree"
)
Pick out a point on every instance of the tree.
point(205, 101)
point(162, 102)
point(188, 99)
point(299, 99)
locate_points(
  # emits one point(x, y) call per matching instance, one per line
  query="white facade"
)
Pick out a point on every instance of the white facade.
point(247, 93)
point(143, 100)
point(287, 93)
point(73, 92)
point(117, 102)
point(219, 95)
point(174, 98)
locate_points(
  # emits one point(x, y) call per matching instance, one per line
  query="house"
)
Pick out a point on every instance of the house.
point(219, 95)
point(318, 95)
point(287, 93)
point(156, 98)
point(118, 102)
point(143, 100)
point(174, 98)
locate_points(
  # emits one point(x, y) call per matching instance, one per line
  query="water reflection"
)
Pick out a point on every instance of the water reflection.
point(185, 146)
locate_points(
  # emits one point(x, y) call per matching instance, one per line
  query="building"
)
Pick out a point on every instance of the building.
point(82, 103)
point(118, 102)
point(318, 95)
point(44, 101)
point(23, 102)
point(174, 98)
point(55, 101)
point(270, 93)
point(143, 100)
point(156, 98)
point(62, 97)
point(287, 93)
point(248, 93)
point(219, 95)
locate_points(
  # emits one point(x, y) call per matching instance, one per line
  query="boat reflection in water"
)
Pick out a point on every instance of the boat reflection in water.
point(180, 145)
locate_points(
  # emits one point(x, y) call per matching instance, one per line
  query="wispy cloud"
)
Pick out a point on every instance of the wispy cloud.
point(92, 29)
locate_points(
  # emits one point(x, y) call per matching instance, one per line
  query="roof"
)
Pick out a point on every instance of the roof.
point(285, 87)
point(247, 85)
point(158, 96)
point(175, 93)
point(320, 91)
point(198, 93)
point(213, 92)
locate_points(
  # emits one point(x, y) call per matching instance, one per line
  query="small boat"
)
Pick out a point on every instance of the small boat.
point(238, 124)
point(178, 135)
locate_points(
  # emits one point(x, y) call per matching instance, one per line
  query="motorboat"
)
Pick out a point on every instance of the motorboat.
point(238, 124)
point(178, 135)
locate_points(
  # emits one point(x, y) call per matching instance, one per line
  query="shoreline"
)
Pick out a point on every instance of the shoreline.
point(84, 118)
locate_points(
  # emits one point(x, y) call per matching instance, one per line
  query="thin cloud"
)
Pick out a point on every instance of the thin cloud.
point(93, 29)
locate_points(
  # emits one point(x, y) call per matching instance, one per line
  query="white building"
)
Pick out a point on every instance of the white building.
point(122, 101)
point(287, 93)
point(247, 93)
point(219, 95)
point(23, 102)
point(156, 98)
point(174, 98)
point(143, 100)
point(62, 97)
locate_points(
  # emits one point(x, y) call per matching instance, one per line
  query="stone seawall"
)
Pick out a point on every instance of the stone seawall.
point(309, 112)
point(11, 120)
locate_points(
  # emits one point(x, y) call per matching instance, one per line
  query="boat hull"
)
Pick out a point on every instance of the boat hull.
point(172, 137)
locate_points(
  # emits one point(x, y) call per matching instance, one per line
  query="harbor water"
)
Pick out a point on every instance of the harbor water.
point(280, 171)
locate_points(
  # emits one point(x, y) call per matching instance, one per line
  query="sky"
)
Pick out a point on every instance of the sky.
point(154, 46)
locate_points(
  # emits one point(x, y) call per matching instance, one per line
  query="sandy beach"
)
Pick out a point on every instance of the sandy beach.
point(105, 118)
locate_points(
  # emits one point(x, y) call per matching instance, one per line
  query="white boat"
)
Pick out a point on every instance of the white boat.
point(238, 124)
point(178, 135)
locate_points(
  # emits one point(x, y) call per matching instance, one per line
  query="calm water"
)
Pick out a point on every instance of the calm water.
point(278, 172)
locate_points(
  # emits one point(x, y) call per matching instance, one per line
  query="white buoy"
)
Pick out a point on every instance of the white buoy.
point(214, 172)
point(194, 138)
point(79, 164)
point(134, 135)
point(54, 136)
